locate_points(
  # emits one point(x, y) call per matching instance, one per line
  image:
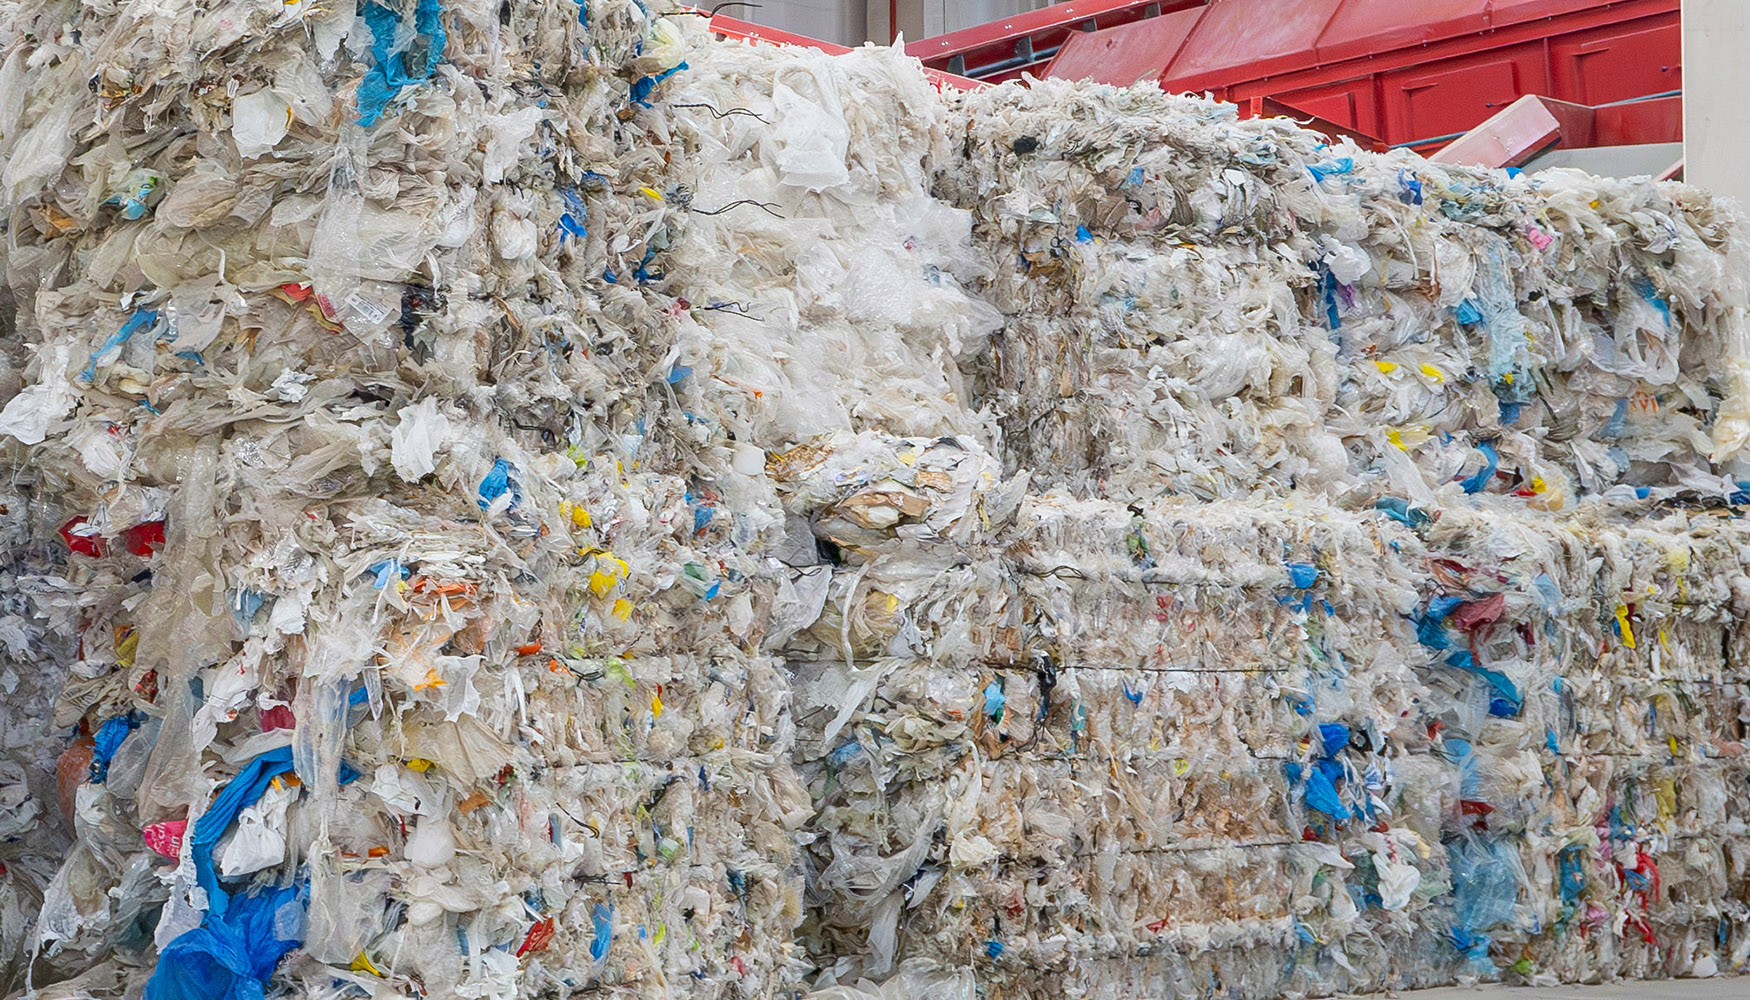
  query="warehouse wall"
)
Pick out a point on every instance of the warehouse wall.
point(842, 21)
point(1716, 34)
point(849, 22)
point(952, 15)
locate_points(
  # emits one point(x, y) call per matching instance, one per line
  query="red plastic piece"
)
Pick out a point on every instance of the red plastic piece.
point(85, 545)
point(277, 717)
point(141, 539)
point(144, 539)
point(1473, 615)
point(540, 935)
point(166, 838)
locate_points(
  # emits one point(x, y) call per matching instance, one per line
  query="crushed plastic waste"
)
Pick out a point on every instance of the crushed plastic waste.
point(522, 499)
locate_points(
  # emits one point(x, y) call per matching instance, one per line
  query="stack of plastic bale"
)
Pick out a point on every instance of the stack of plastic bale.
point(1225, 306)
point(838, 329)
point(523, 499)
point(1312, 674)
point(1249, 730)
point(412, 654)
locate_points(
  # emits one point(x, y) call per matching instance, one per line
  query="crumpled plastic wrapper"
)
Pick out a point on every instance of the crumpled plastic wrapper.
point(528, 499)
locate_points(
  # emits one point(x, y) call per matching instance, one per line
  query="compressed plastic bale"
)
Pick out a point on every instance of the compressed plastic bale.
point(1493, 795)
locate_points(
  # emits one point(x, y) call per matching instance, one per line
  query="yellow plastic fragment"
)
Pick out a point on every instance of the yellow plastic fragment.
point(609, 570)
point(1434, 373)
point(1386, 367)
point(126, 645)
point(1407, 438)
point(1622, 625)
point(363, 964)
point(1665, 792)
point(578, 514)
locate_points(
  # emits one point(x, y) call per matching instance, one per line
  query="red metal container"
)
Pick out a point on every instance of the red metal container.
point(1412, 72)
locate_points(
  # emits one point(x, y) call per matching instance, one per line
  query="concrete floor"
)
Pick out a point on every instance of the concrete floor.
point(1719, 988)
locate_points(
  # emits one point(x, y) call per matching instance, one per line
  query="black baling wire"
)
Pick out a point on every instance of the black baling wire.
point(724, 114)
point(713, 11)
point(767, 207)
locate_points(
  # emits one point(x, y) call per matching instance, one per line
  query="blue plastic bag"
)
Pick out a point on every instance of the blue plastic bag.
point(497, 483)
point(389, 70)
point(107, 741)
point(228, 957)
point(1485, 888)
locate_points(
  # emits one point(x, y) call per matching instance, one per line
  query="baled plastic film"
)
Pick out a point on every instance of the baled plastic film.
point(538, 499)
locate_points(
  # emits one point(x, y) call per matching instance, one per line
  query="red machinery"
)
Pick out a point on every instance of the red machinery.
point(1005, 49)
point(1412, 72)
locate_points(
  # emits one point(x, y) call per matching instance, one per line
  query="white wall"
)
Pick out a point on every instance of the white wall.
point(1716, 76)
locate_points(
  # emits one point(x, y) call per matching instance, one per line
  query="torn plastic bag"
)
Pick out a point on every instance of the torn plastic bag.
point(232, 955)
